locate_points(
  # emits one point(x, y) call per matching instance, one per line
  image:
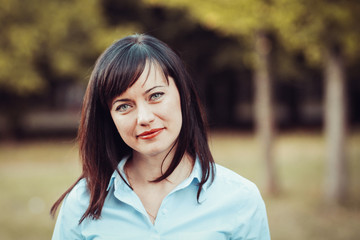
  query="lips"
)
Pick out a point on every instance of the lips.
point(150, 134)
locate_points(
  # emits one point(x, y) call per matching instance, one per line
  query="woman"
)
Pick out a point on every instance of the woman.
point(147, 169)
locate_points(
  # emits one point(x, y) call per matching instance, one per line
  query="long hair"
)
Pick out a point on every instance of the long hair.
point(100, 145)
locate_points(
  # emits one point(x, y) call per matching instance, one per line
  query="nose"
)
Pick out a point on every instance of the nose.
point(145, 115)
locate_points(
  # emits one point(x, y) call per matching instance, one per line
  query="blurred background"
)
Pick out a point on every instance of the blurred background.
point(280, 82)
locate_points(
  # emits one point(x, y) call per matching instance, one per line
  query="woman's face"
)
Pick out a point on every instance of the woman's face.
point(148, 114)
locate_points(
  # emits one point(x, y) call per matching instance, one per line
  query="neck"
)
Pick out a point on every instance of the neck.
point(144, 169)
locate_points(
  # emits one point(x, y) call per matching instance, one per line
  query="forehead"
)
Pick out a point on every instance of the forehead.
point(152, 75)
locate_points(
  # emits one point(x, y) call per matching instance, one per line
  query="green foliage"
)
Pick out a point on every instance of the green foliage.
point(43, 41)
point(301, 25)
point(231, 17)
point(17, 44)
point(316, 25)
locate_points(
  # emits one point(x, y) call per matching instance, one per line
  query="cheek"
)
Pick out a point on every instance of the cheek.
point(175, 112)
point(171, 108)
point(123, 127)
point(178, 110)
point(126, 135)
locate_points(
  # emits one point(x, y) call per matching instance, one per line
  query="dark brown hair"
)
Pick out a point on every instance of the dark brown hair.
point(101, 147)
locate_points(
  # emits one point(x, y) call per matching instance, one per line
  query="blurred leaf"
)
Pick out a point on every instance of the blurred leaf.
point(301, 25)
point(46, 41)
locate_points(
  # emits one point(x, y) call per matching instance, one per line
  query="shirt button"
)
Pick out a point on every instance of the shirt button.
point(164, 211)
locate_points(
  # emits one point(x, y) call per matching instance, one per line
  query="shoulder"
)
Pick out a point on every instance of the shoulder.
point(240, 201)
point(234, 189)
point(76, 202)
point(231, 180)
point(79, 195)
point(73, 207)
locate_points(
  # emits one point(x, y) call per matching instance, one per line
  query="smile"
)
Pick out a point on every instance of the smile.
point(150, 134)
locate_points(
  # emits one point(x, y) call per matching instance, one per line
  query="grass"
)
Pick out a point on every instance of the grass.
point(34, 174)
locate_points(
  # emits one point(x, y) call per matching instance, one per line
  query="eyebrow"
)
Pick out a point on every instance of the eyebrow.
point(128, 99)
point(121, 100)
point(150, 89)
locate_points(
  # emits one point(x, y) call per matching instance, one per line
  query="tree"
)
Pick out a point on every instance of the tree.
point(327, 31)
point(254, 20)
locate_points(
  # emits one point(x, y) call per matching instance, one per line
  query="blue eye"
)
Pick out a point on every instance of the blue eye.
point(123, 107)
point(156, 96)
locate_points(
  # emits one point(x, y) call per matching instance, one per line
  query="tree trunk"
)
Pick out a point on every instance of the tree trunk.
point(264, 118)
point(335, 128)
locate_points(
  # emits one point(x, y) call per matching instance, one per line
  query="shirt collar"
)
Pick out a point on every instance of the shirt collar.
point(115, 174)
point(196, 172)
point(195, 175)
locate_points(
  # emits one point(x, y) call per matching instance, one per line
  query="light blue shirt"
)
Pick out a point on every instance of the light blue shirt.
point(229, 208)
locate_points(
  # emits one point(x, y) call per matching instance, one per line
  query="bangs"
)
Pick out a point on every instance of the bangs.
point(122, 66)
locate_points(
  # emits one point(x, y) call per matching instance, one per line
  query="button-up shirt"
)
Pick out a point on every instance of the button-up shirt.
point(230, 208)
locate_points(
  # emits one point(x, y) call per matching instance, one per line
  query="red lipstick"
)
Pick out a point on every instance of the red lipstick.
point(150, 134)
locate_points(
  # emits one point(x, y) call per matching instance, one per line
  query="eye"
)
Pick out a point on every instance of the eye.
point(123, 107)
point(156, 96)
